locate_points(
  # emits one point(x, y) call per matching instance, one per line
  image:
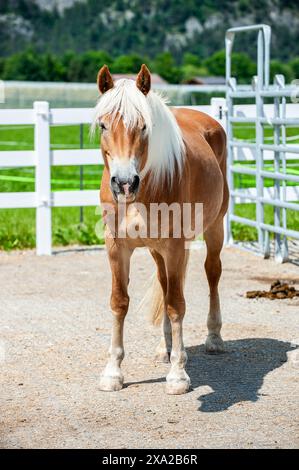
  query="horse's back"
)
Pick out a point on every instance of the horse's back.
point(197, 125)
point(205, 140)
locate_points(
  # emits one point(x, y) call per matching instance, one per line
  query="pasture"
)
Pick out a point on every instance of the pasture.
point(75, 226)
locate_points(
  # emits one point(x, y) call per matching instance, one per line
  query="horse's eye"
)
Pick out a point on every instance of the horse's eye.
point(102, 126)
point(144, 128)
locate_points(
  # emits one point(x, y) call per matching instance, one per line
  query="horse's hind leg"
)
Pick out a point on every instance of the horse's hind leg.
point(214, 241)
point(164, 347)
point(119, 257)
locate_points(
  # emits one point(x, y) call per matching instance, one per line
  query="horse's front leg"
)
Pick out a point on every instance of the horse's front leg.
point(178, 381)
point(112, 378)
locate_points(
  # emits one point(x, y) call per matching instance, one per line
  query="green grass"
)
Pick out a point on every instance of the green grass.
point(245, 233)
point(62, 137)
point(17, 226)
point(244, 131)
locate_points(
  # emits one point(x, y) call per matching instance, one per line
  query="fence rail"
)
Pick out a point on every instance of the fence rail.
point(279, 116)
point(42, 158)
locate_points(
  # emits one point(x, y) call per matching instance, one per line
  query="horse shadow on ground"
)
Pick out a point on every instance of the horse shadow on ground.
point(236, 375)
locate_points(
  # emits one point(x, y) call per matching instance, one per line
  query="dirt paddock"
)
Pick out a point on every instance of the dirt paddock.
point(55, 330)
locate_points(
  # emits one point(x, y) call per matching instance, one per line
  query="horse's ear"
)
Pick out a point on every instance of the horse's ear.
point(104, 80)
point(143, 80)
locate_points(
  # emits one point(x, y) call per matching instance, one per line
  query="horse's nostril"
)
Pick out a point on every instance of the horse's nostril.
point(124, 185)
point(114, 182)
point(135, 183)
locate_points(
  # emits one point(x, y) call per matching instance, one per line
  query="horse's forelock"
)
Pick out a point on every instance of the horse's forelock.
point(166, 148)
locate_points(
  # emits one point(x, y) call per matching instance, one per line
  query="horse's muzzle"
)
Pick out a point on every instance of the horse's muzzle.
point(125, 188)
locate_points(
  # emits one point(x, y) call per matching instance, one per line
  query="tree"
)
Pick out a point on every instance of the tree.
point(216, 63)
point(243, 68)
point(191, 59)
point(24, 66)
point(84, 67)
point(53, 69)
point(294, 64)
point(165, 66)
point(190, 71)
point(2, 63)
point(127, 64)
point(277, 67)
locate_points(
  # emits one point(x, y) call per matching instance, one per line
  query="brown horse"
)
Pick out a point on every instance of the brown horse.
point(159, 155)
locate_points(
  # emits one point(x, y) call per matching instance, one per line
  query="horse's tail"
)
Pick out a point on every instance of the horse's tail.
point(153, 300)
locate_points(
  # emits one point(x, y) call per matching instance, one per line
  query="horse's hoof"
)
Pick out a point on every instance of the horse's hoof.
point(214, 344)
point(177, 387)
point(162, 356)
point(111, 384)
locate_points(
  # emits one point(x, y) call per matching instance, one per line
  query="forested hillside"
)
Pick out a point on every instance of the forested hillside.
point(68, 40)
point(144, 27)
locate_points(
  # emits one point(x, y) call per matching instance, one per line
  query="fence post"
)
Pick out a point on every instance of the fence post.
point(280, 241)
point(218, 106)
point(219, 112)
point(43, 178)
point(259, 138)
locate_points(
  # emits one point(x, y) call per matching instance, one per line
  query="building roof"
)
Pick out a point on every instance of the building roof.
point(206, 81)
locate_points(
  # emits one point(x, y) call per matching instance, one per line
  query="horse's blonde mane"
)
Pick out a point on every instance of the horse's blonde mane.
point(166, 149)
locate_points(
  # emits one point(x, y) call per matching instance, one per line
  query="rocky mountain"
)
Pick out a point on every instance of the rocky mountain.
point(60, 5)
point(146, 28)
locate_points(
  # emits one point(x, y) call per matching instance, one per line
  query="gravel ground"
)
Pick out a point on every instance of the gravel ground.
point(55, 329)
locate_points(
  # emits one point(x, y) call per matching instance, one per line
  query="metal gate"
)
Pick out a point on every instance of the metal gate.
point(282, 194)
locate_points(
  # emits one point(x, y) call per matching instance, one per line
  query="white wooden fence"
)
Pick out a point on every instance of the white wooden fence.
point(43, 158)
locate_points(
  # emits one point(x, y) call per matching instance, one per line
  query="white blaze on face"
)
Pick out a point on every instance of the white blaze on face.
point(123, 168)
